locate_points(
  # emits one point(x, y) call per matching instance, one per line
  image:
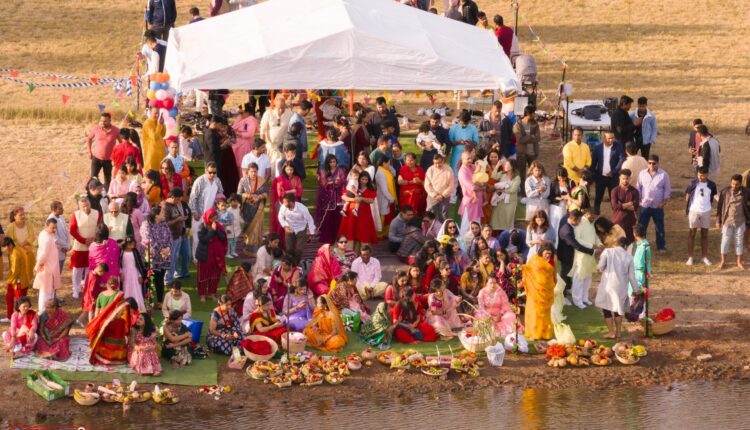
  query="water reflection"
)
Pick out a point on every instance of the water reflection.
point(694, 405)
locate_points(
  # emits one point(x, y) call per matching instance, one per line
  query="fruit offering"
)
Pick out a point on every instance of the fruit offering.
point(557, 362)
point(601, 360)
point(386, 357)
point(368, 354)
point(434, 371)
point(556, 351)
point(334, 378)
point(313, 379)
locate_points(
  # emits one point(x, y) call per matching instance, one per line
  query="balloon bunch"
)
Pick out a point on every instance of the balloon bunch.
point(164, 97)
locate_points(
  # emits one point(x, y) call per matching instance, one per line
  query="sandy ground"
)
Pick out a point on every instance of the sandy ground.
point(690, 60)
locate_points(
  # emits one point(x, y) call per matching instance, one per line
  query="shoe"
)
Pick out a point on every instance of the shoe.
point(343, 212)
point(689, 261)
point(567, 302)
point(75, 296)
point(661, 251)
point(587, 302)
point(4, 321)
point(706, 261)
point(580, 306)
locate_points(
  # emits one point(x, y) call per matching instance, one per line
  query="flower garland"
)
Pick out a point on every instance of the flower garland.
point(515, 277)
point(150, 297)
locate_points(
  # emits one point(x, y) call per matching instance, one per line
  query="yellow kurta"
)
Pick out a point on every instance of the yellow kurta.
point(575, 155)
point(153, 144)
point(18, 270)
point(584, 264)
point(539, 281)
point(325, 331)
point(27, 236)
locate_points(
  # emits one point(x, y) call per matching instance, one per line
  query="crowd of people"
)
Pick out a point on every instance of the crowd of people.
point(483, 229)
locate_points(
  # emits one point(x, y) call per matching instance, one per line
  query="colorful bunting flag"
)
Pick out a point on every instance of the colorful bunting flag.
point(65, 99)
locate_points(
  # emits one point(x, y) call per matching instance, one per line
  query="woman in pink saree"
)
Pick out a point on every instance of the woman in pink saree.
point(442, 312)
point(54, 324)
point(244, 128)
point(325, 269)
point(493, 304)
point(473, 195)
point(105, 250)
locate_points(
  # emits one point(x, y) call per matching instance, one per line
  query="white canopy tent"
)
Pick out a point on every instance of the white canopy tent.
point(338, 44)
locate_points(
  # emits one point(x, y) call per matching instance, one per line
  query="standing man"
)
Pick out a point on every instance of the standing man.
point(171, 209)
point(501, 129)
point(606, 163)
point(273, 128)
point(634, 162)
point(160, 16)
point(202, 198)
point(699, 195)
point(118, 223)
point(694, 143)
point(655, 190)
point(47, 279)
point(101, 141)
point(298, 117)
point(461, 134)
point(439, 183)
point(645, 132)
point(625, 200)
point(621, 124)
point(708, 154)
point(368, 274)
point(504, 35)
point(19, 276)
point(732, 216)
point(298, 225)
point(576, 156)
point(567, 245)
point(83, 225)
point(374, 120)
point(62, 236)
point(260, 158)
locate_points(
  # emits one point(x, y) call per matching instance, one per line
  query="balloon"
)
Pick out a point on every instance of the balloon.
point(169, 121)
point(168, 103)
point(153, 103)
point(161, 95)
point(156, 77)
point(165, 85)
point(173, 113)
point(151, 94)
point(154, 85)
point(166, 77)
point(171, 91)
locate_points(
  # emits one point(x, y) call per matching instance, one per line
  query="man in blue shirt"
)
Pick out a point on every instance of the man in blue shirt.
point(160, 16)
point(460, 134)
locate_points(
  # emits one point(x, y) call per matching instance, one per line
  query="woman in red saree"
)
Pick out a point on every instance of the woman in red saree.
point(325, 268)
point(359, 227)
point(108, 333)
point(264, 322)
point(411, 185)
point(410, 321)
point(286, 182)
point(283, 276)
point(210, 253)
point(54, 324)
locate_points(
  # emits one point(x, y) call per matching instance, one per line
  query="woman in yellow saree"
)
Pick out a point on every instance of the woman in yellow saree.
point(325, 331)
point(539, 282)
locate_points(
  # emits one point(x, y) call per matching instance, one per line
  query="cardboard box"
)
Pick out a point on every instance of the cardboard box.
point(35, 385)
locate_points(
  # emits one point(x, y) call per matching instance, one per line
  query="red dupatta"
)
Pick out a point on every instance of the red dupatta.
point(217, 248)
point(324, 269)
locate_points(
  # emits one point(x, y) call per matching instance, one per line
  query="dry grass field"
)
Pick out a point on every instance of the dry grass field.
point(691, 59)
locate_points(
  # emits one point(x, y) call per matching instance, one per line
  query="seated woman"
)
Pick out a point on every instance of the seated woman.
point(410, 325)
point(268, 256)
point(107, 296)
point(251, 302)
point(176, 300)
point(263, 321)
point(346, 296)
point(299, 305)
point(224, 331)
point(325, 268)
point(54, 325)
point(239, 286)
point(177, 341)
point(395, 289)
point(456, 257)
point(142, 355)
point(414, 240)
point(442, 313)
point(469, 286)
point(325, 331)
point(377, 331)
point(108, 332)
point(21, 335)
point(449, 279)
point(283, 276)
point(539, 282)
point(493, 304)
point(609, 233)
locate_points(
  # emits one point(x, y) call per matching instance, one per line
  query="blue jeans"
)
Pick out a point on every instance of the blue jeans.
point(174, 260)
point(658, 215)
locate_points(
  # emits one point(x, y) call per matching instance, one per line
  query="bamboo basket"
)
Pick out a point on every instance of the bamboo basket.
point(662, 328)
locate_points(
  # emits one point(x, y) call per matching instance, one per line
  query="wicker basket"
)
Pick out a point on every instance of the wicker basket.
point(662, 328)
point(258, 338)
point(473, 346)
point(628, 360)
point(297, 341)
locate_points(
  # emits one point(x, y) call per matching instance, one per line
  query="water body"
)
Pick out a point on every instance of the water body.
point(686, 406)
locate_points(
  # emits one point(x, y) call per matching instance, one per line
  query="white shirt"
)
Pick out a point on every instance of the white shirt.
point(263, 162)
point(367, 274)
point(62, 237)
point(605, 160)
point(152, 57)
point(701, 198)
point(298, 218)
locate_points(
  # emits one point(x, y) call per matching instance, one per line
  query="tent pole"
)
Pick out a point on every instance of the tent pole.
point(351, 102)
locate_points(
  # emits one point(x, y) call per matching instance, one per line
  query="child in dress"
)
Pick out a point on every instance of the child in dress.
point(352, 190)
point(93, 286)
point(236, 228)
point(134, 174)
point(142, 355)
point(429, 144)
point(226, 220)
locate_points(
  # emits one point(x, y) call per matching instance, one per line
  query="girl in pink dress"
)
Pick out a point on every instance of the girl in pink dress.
point(493, 303)
point(105, 250)
point(442, 313)
point(473, 194)
point(133, 272)
point(21, 335)
point(142, 355)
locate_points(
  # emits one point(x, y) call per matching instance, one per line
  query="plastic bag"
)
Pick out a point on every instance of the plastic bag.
point(495, 354)
point(351, 320)
point(510, 342)
point(564, 335)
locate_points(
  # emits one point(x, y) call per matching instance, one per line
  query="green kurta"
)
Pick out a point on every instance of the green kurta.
point(504, 214)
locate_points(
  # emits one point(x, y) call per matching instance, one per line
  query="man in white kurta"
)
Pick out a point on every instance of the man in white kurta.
point(616, 265)
point(47, 268)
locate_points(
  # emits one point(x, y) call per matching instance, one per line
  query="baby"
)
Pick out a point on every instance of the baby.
point(234, 209)
point(352, 191)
